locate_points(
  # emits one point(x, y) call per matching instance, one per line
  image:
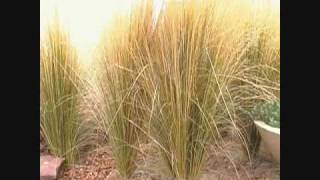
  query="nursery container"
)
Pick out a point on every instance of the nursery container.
point(271, 138)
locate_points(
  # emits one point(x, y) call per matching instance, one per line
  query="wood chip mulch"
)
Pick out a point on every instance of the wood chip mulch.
point(227, 164)
point(96, 166)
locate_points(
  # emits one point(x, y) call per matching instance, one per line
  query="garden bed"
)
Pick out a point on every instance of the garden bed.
point(179, 80)
point(228, 163)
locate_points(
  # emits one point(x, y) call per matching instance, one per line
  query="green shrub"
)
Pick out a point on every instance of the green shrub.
point(268, 112)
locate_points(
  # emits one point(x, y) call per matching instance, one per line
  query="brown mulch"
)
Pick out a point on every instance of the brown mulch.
point(95, 166)
point(228, 163)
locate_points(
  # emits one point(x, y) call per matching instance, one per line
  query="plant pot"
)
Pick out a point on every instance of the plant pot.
point(271, 138)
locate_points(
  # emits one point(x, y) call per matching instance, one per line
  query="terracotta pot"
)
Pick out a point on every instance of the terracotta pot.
point(271, 138)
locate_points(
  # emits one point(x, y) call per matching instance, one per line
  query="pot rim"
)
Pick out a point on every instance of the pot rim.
point(267, 127)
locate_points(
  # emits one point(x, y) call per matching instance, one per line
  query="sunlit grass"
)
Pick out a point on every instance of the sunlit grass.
point(119, 71)
point(60, 94)
point(176, 79)
point(191, 60)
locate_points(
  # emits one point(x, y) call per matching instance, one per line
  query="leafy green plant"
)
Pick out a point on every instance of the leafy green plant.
point(268, 112)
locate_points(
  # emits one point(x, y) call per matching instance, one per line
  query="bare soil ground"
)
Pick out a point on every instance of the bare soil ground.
point(225, 163)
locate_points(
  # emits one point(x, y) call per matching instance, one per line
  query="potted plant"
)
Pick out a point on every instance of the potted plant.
point(267, 120)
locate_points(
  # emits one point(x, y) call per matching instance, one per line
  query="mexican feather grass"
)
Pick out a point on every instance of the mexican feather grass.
point(60, 94)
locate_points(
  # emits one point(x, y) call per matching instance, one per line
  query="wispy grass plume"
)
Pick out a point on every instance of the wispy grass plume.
point(189, 75)
point(120, 69)
point(59, 74)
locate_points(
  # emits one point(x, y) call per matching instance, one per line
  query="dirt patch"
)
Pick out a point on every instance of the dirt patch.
point(229, 162)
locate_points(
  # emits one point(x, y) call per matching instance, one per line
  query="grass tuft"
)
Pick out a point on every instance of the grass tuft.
point(60, 94)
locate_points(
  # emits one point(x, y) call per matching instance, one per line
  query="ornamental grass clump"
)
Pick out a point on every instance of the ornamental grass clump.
point(191, 60)
point(60, 123)
point(258, 80)
point(120, 67)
